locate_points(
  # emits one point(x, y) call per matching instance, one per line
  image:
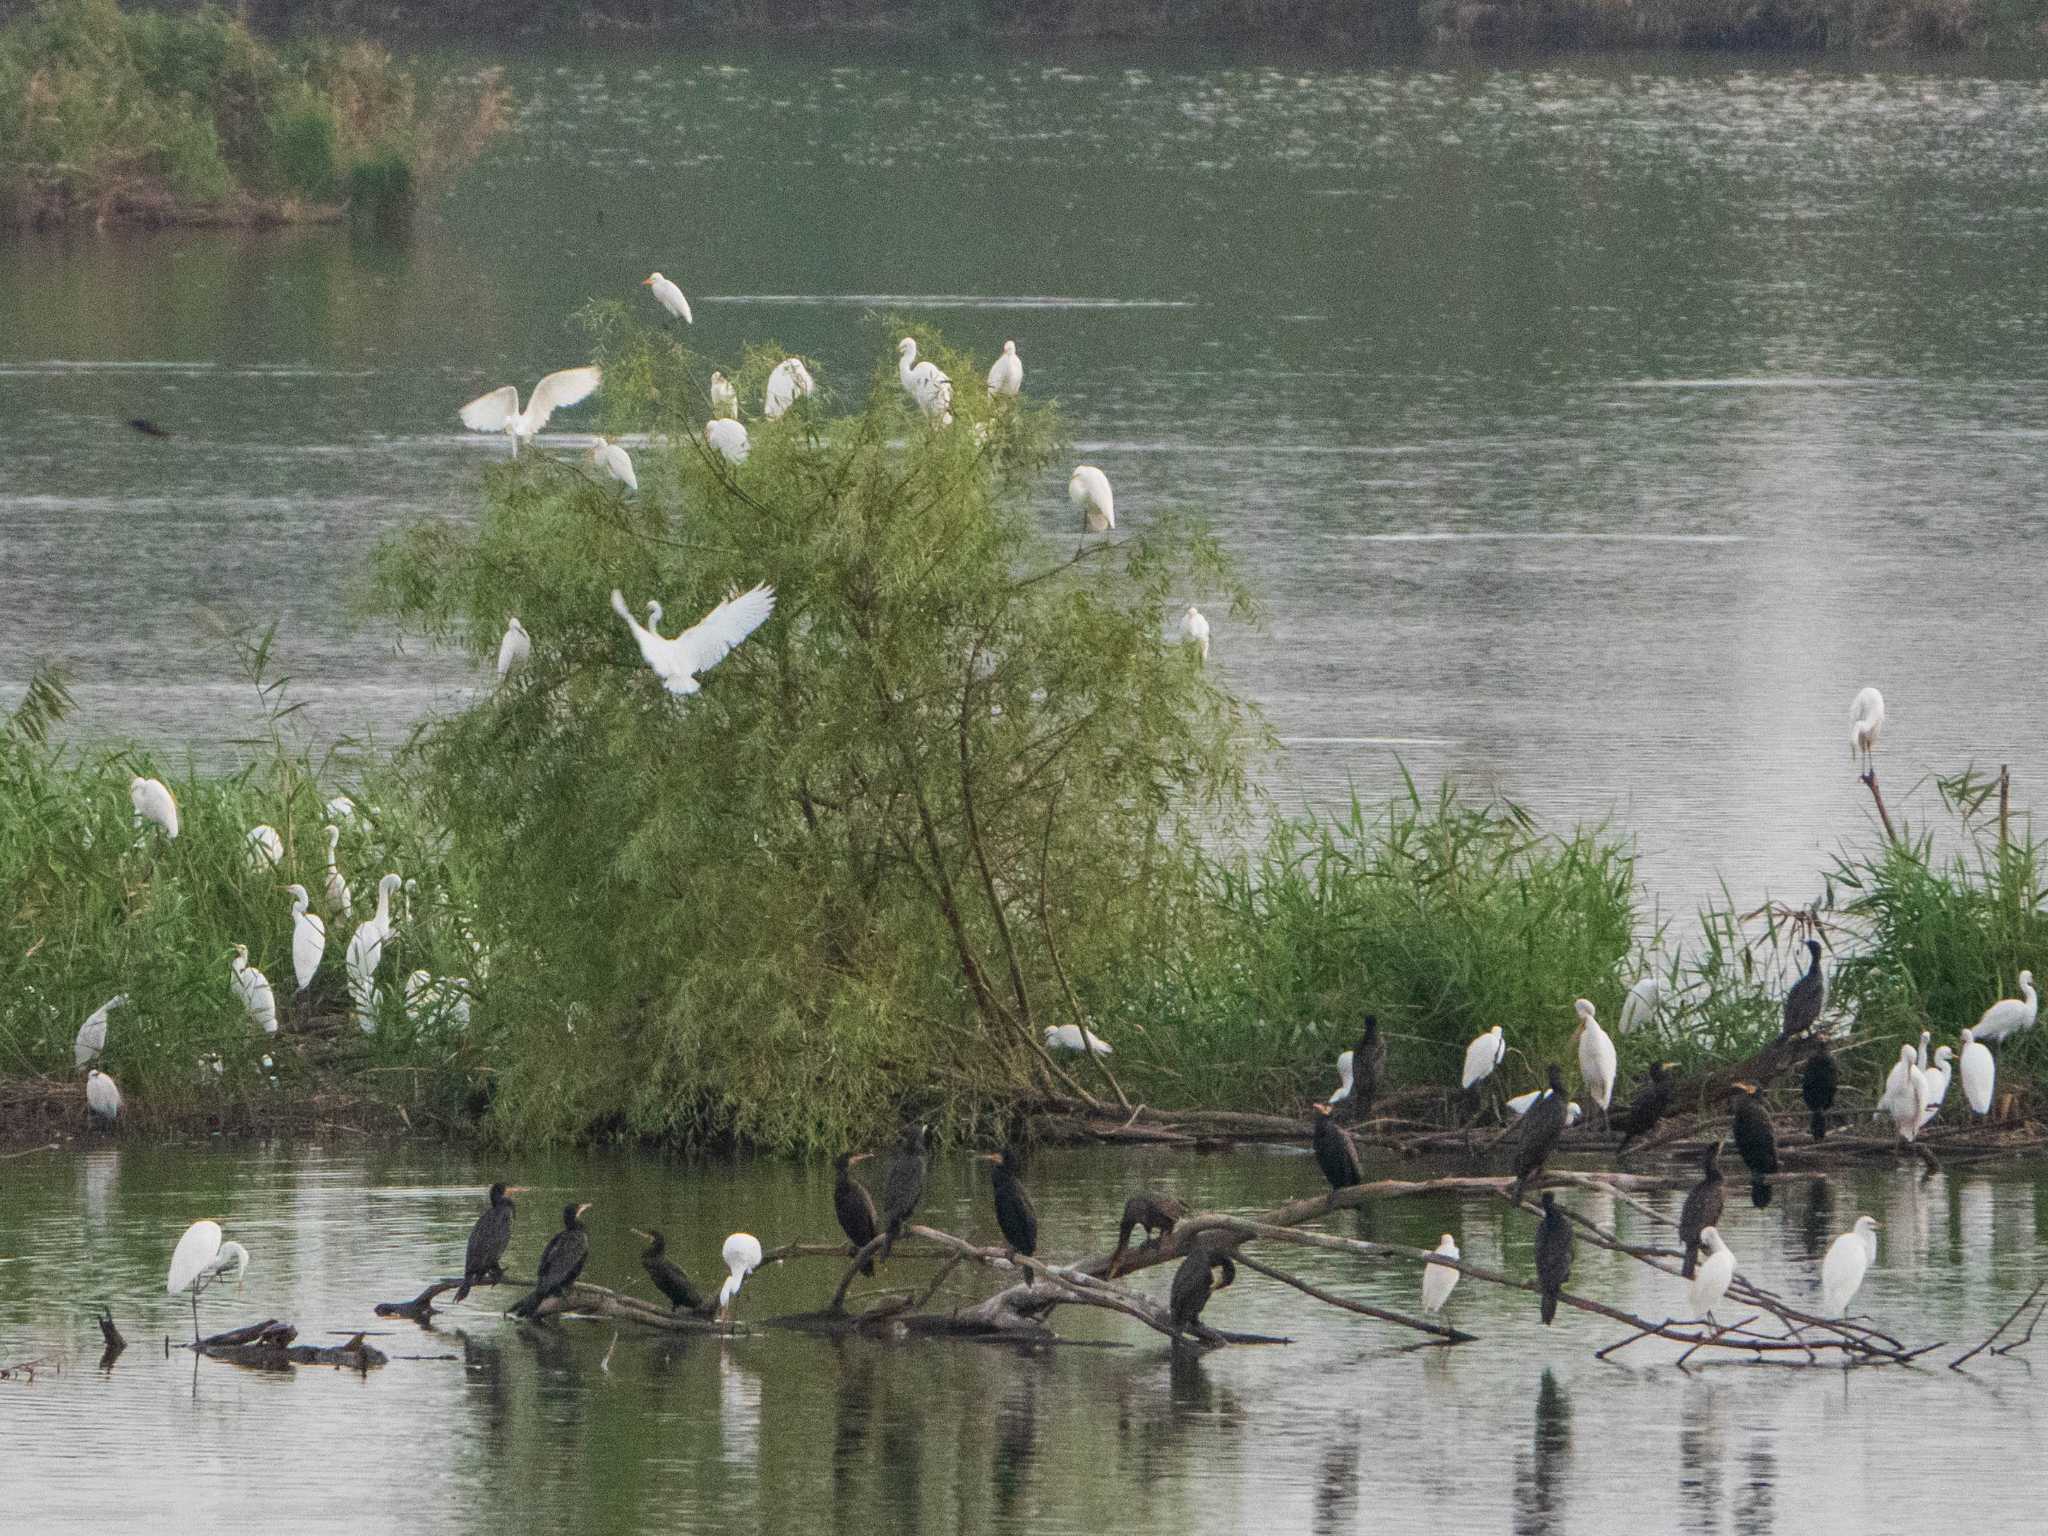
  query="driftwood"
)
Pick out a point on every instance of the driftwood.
point(2020, 1343)
point(270, 1346)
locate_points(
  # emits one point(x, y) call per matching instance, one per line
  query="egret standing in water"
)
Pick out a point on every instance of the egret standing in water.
point(1439, 1280)
point(615, 462)
point(925, 383)
point(902, 1185)
point(1711, 1277)
point(669, 297)
point(252, 987)
point(1553, 1255)
point(1819, 1081)
point(1015, 1214)
point(705, 644)
point(483, 1263)
point(1979, 1073)
point(1597, 1063)
point(669, 1278)
point(102, 1096)
point(1157, 1214)
point(153, 803)
point(560, 1262)
point(1866, 719)
point(340, 903)
point(1006, 376)
point(1808, 996)
point(201, 1259)
point(1336, 1154)
point(742, 1254)
point(1848, 1260)
point(498, 411)
point(92, 1034)
point(1088, 489)
point(854, 1206)
point(1193, 1284)
point(2009, 1015)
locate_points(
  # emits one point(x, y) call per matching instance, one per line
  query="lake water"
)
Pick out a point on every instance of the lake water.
point(1592, 430)
point(567, 1427)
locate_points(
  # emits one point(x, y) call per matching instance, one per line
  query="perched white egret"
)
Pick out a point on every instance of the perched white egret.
point(252, 988)
point(516, 645)
point(1522, 1103)
point(102, 1095)
point(1439, 1280)
point(925, 383)
point(1069, 1037)
point(669, 297)
point(444, 1002)
point(1925, 1036)
point(728, 437)
point(790, 382)
point(614, 461)
point(339, 901)
point(742, 1257)
point(1194, 630)
point(499, 410)
point(705, 644)
point(725, 400)
point(341, 808)
point(1979, 1073)
point(153, 803)
point(1644, 999)
point(1710, 1278)
point(202, 1259)
point(1344, 1084)
point(1006, 377)
point(309, 937)
point(1938, 1077)
point(1088, 489)
point(266, 849)
point(92, 1034)
point(366, 950)
point(1849, 1259)
point(1866, 719)
point(2009, 1015)
point(1905, 1094)
point(1482, 1056)
point(1597, 1063)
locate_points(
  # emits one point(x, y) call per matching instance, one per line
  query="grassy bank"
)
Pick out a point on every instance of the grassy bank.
point(146, 117)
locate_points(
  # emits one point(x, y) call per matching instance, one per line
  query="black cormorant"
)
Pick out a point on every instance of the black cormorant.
point(147, 427)
point(1649, 1106)
point(1553, 1253)
point(560, 1262)
point(487, 1242)
point(1817, 1085)
point(1702, 1207)
point(902, 1185)
point(1756, 1141)
point(1155, 1213)
point(1809, 992)
point(1336, 1153)
point(1014, 1212)
point(668, 1279)
point(853, 1204)
point(1192, 1286)
point(1368, 1066)
point(1539, 1131)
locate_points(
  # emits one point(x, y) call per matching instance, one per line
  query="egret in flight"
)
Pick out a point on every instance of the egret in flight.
point(266, 849)
point(742, 1253)
point(1194, 630)
point(513, 649)
point(1070, 1037)
point(498, 411)
point(705, 644)
point(92, 1034)
point(1866, 719)
point(1849, 1259)
point(102, 1096)
point(614, 461)
point(790, 382)
point(1088, 489)
point(201, 1259)
point(153, 803)
point(925, 383)
point(669, 297)
point(252, 987)
point(1007, 376)
point(725, 400)
point(728, 437)
point(339, 901)
point(309, 939)
point(2009, 1015)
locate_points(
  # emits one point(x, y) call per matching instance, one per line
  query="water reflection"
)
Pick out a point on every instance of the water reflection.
point(1700, 1454)
point(1336, 1492)
point(1016, 1441)
point(1541, 1473)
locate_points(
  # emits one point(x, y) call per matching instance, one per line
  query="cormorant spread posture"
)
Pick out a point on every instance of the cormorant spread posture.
point(668, 1279)
point(1702, 1208)
point(1192, 1285)
point(1335, 1152)
point(1368, 1066)
point(1539, 1131)
point(1803, 1003)
point(1553, 1253)
point(902, 1185)
point(1014, 1212)
point(853, 1204)
point(1155, 1213)
point(1646, 1108)
point(1817, 1085)
point(488, 1240)
point(560, 1262)
point(1756, 1141)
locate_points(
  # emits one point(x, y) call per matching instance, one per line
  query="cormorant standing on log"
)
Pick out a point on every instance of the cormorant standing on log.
point(1646, 1108)
point(560, 1262)
point(1155, 1213)
point(1808, 995)
point(1756, 1141)
point(1368, 1066)
point(1336, 1154)
point(902, 1185)
point(668, 1279)
point(1702, 1208)
point(488, 1240)
point(1553, 1253)
point(1817, 1085)
point(1014, 1212)
point(1192, 1285)
point(1540, 1129)
point(853, 1204)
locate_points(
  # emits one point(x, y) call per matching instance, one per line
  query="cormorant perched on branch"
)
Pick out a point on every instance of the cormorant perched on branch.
point(1192, 1285)
point(1014, 1213)
point(902, 1185)
point(1336, 1154)
point(668, 1279)
point(1817, 1085)
point(560, 1262)
point(1756, 1141)
point(1368, 1066)
point(1155, 1213)
point(1808, 995)
point(488, 1240)
point(1702, 1208)
point(1540, 1129)
point(1553, 1253)
point(1646, 1108)
point(853, 1204)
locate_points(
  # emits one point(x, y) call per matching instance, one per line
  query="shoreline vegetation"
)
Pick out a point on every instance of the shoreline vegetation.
point(967, 786)
point(149, 118)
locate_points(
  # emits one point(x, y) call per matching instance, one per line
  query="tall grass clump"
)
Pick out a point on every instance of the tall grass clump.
point(929, 802)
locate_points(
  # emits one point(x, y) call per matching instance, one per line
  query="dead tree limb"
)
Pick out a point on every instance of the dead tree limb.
point(1957, 1363)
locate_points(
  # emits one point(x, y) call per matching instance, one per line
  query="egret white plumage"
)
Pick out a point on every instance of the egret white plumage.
point(1938, 1077)
point(341, 808)
point(1343, 1092)
point(1979, 1073)
point(1866, 719)
point(1485, 1053)
point(202, 1259)
point(1069, 1037)
point(102, 1095)
point(1088, 488)
point(1194, 630)
point(926, 385)
point(365, 952)
point(728, 437)
point(2009, 1015)
point(1521, 1103)
point(444, 1002)
point(614, 461)
point(1848, 1260)
point(1439, 1280)
point(499, 410)
point(1006, 375)
point(1904, 1098)
point(252, 988)
point(742, 1254)
point(1644, 999)
point(705, 644)
point(339, 901)
point(1597, 1061)
point(309, 937)
point(266, 849)
point(725, 400)
point(515, 647)
point(789, 382)
point(153, 803)
point(92, 1034)
point(1710, 1278)
point(669, 297)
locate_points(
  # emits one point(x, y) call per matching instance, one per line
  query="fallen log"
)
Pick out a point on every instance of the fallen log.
point(271, 1346)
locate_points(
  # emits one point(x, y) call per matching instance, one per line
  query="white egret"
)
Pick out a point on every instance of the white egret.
point(1938, 1077)
point(1979, 1073)
point(728, 437)
point(153, 803)
point(366, 950)
point(202, 1259)
point(444, 1002)
point(1905, 1093)
point(2009, 1015)
point(925, 383)
point(1597, 1064)
point(1343, 1078)
point(341, 808)
point(252, 987)
point(102, 1095)
point(1521, 1104)
point(1194, 630)
point(1069, 1037)
point(1641, 1005)
point(266, 849)
point(339, 901)
point(1866, 719)
point(1925, 1036)
point(742, 1257)
point(705, 644)
point(1849, 1259)
point(614, 461)
point(1088, 488)
point(1710, 1278)
point(1006, 377)
point(309, 938)
point(499, 410)
point(725, 400)
point(92, 1034)
point(669, 297)
point(1439, 1280)
point(790, 382)
point(1482, 1056)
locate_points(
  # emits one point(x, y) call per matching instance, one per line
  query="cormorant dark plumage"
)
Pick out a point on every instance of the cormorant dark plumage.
point(1368, 1066)
point(560, 1262)
point(902, 1185)
point(1756, 1141)
point(1651, 1103)
point(1014, 1212)
point(1539, 1131)
point(1817, 1085)
point(1702, 1208)
point(853, 1204)
point(669, 1279)
point(488, 1240)
point(1803, 1003)
point(1553, 1253)
point(1193, 1286)
point(147, 427)
point(1155, 1213)
point(1336, 1153)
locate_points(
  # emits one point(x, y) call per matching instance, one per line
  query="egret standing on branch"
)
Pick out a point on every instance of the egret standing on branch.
point(1088, 489)
point(1849, 1259)
point(1905, 1094)
point(669, 297)
point(512, 650)
point(1979, 1072)
point(789, 383)
point(728, 437)
point(703, 646)
point(1597, 1065)
point(1866, 719)
point(199, 1260)
point(498, 411)
point(614, 461)
point(2009, 1016)
point(1006, 377)
point(1485, 1053)
point(1439, 1280)
point(742, 1255)
point(153, 804)
point(1711, 1278)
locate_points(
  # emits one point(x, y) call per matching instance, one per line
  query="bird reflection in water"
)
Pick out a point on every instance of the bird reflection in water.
point(1541, 1475)
point(1817, 1224)
point(1016, 1441)
point(1336, 1495)
point(1699, 1457)
point(850, 1432)
point(739, 1411)
point(1756, 1512)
